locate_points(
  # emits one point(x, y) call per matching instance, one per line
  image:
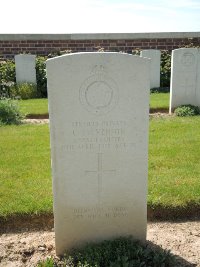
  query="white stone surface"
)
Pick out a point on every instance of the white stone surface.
point(25, 68)
point(185, 77)
point(98, 106)
point(154, 55)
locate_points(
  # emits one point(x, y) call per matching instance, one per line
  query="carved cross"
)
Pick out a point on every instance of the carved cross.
point(99, 172)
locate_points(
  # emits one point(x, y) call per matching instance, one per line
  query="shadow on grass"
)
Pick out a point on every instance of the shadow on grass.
point(15, 223)
point(158, 110)
point(37, 116)
point(189, 212)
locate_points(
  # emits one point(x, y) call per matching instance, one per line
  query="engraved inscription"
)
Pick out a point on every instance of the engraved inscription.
point(187, 59)
point(99, 212)
point(98, 136)
point(98, 93)
point(99, 172)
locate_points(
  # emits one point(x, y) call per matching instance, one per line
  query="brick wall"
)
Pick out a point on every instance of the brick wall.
point(12, 44)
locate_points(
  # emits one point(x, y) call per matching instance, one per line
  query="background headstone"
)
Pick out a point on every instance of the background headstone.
point(25, 68)
point(154, 55)
point(98, 106)
point(185, 77)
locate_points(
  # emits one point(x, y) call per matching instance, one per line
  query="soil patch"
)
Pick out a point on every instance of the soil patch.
point(189, 212)
point(18, 223)
point(159, 110)
point(28, 248)
point(37, 116)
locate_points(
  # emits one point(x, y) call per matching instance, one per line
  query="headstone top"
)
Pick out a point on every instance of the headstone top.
point(25, 68)
point(155, 56)
point(185, 78)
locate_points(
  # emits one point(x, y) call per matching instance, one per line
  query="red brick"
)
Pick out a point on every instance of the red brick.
point(88, 45)
point(24, 45)
point(161, 47)
point(136, 43)
point(113, 44)
point(56, 41)
point(144, 47)
point(55, 45)
point(31, 42)
point(48, 41)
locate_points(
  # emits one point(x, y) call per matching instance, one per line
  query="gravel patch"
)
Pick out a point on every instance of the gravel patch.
point(36, 121)
point(27, 248)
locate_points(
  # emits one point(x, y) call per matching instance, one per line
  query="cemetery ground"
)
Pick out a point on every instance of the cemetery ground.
point(26, 194)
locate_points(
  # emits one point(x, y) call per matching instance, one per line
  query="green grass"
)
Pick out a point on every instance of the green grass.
point(34, 106)
point(159, 100)
point(25, 183)
point(174, 165)
point(40, 106)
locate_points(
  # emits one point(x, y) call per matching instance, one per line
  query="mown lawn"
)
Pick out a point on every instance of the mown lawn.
point(25, 183)
point(159, 101)
point(40, 106)
point(34, 106)
point(174, 165)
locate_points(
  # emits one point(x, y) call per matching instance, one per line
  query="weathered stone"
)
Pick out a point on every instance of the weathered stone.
point(99, 106)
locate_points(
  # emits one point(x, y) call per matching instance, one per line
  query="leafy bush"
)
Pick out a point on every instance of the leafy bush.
point(165, 68)
point(59, 53)
point(187, 110)
point(7, 77)
point(5, 89)
point(24, 91)
point(9, 112)
point(121, 252)
point(48, 263)
point(41, 76)
point(136, 52)
point(7, 70)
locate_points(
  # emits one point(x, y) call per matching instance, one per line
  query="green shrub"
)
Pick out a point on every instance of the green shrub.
point(24, 91)
point(187, 110)
point(121, 252)
point(5, 89)
point(7, 70)
point(165, 68)
point(136, 52)
point(41, 76)
point(48, 263)
point(7, 77)
point(9, 112)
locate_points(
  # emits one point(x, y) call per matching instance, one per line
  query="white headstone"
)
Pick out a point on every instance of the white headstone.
point(99, 106)
point(154, 55)
point(25, 68)
point(185, 77)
